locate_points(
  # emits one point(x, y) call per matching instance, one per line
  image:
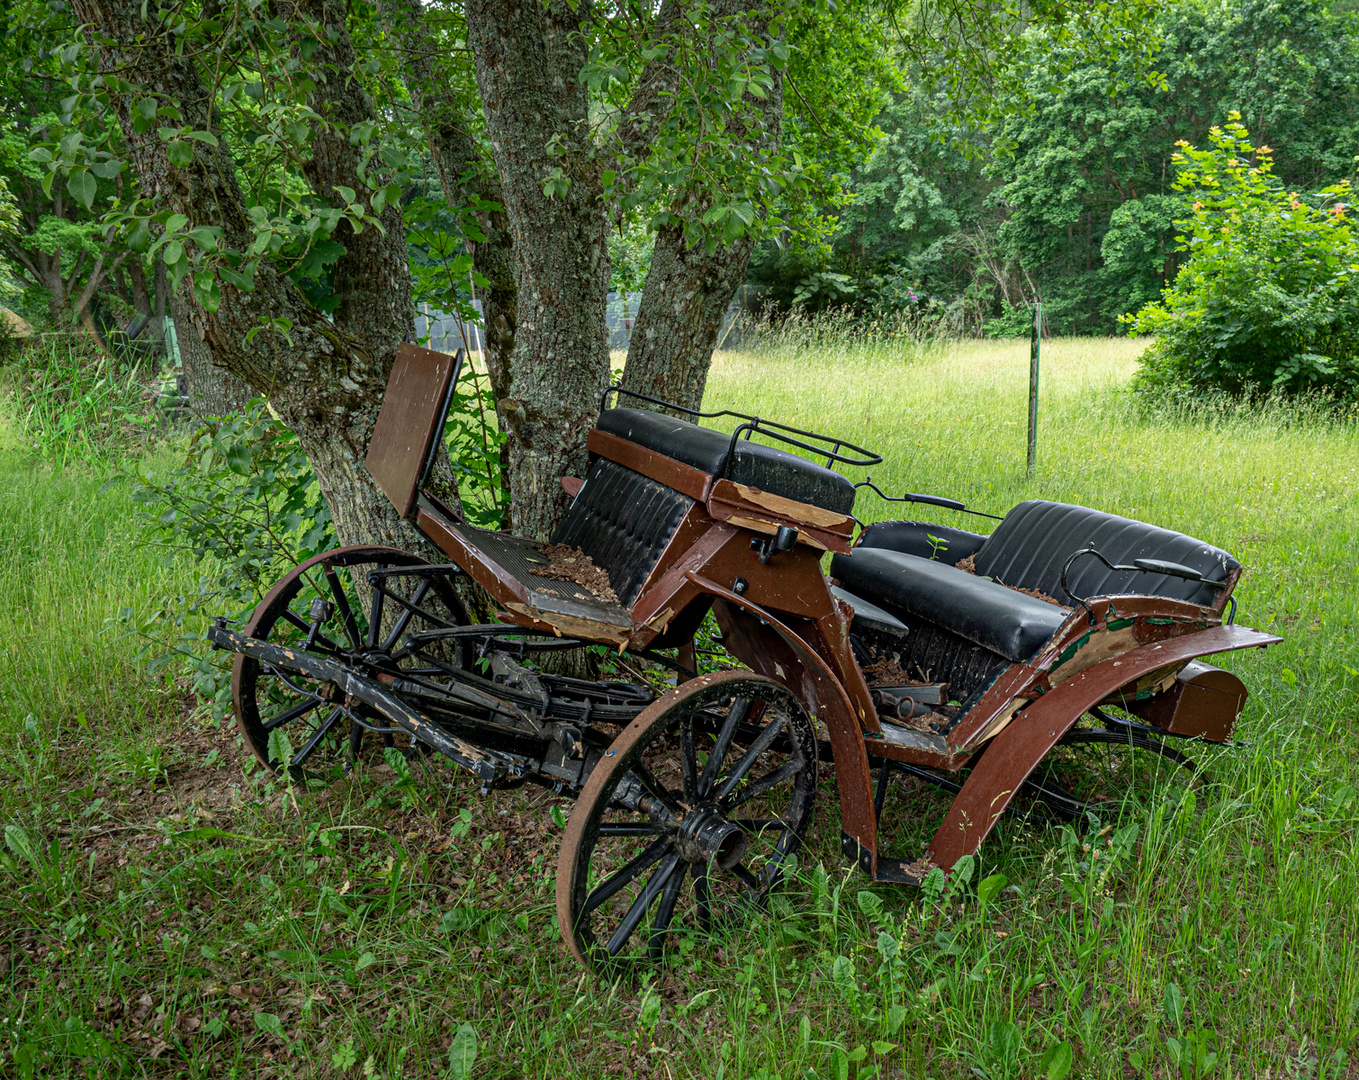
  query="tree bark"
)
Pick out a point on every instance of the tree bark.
point(324, 379)
point(211, 390)
point(528, 60)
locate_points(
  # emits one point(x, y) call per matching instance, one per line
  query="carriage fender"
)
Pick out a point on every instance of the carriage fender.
point(775, 650)
point(1015, 752)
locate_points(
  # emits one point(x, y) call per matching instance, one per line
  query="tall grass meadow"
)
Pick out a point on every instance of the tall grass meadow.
point(167, 910)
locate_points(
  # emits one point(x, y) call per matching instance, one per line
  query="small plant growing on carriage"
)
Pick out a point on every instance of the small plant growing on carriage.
point(1268, 297)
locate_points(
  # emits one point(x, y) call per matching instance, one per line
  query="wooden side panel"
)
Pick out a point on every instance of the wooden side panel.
point(413, 410)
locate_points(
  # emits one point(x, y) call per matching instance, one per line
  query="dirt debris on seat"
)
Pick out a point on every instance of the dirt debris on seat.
point(1036, 594)
point(887, 672)
point(969, 566)
point(565, 563)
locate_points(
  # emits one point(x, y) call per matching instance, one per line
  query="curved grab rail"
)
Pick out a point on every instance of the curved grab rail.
point(932, 500)
point(784, 433)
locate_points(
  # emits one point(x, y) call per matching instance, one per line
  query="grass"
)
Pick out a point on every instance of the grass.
point(165, 911)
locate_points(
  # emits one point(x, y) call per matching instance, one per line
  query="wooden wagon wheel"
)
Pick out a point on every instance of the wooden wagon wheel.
point(713, 783)
point(327, 606)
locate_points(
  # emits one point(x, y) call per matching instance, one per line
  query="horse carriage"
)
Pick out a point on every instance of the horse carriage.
point(977, 663)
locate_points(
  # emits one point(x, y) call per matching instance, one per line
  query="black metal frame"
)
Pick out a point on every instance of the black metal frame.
point(771, 428)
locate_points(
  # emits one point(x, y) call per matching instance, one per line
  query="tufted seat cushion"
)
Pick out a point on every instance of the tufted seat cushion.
point(623, 521)
point(775, 471)
point(1000, 620)
point(1029, 548)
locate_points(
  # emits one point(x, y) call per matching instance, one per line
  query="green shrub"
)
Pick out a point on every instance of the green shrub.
point(1268, 298)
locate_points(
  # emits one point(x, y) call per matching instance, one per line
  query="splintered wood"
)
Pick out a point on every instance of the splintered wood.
point(565, 563)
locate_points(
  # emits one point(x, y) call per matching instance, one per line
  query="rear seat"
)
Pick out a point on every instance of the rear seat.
point(906, 568)
point(753, 464)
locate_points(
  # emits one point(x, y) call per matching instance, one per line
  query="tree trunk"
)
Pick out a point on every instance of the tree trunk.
point(211, 390)
point(528, 61)
point(324, 379)
point(687, 293)
point(688, 289)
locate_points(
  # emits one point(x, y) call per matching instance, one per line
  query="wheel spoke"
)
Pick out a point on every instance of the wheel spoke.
point(656, 789)
point(758, 787)
point(759, 746)
point(644, 900)
point(320, 639)
point(292, 714)
point(351, 627)
point(651, 854)
point(739, 708)
point(747, 878)
point(665, 913)
point(410, 608)
point(311, 744)
point(629, 828)
point(375, 619)
point(689, 760)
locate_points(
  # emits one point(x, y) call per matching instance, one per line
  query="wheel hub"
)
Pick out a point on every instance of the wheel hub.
point(706, 836)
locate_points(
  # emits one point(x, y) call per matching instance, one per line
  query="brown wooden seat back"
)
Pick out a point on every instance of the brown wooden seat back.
point(414, 408)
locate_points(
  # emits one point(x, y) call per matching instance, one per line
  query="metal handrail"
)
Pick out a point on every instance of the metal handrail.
point(771, 428)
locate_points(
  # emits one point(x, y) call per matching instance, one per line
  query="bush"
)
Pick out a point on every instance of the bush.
point(1267, 299)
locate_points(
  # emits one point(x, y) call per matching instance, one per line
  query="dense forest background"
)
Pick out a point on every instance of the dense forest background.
point(956, 213)
point(1069, 195)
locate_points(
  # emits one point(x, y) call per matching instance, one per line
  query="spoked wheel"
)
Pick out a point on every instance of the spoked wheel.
point(1101, 769)
point(327, 606)
point(688, 820)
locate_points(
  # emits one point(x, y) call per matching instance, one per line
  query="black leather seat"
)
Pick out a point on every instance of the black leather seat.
point(1001, 620)
point(1029, 548)
point(775, 471)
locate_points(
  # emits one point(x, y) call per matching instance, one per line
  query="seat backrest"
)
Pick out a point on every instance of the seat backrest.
point(412, 416)
point(1029, 548)
point(623, 521)
point(920, 538)
point(754, 464)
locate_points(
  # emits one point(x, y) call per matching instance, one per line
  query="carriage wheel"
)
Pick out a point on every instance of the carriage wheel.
point(1101, 769)
point(329, 600)
point(687, 822)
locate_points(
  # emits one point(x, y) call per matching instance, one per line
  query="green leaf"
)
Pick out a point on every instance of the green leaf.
point(175, 222)
point(463, 1053)
point(106, 170)
point(988, 888)
point(270, 1024)
point(366, 960)
point(1056, 1061)
point(172, 252)
point(180, 153)
point(82, 188)
point(40, 154)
